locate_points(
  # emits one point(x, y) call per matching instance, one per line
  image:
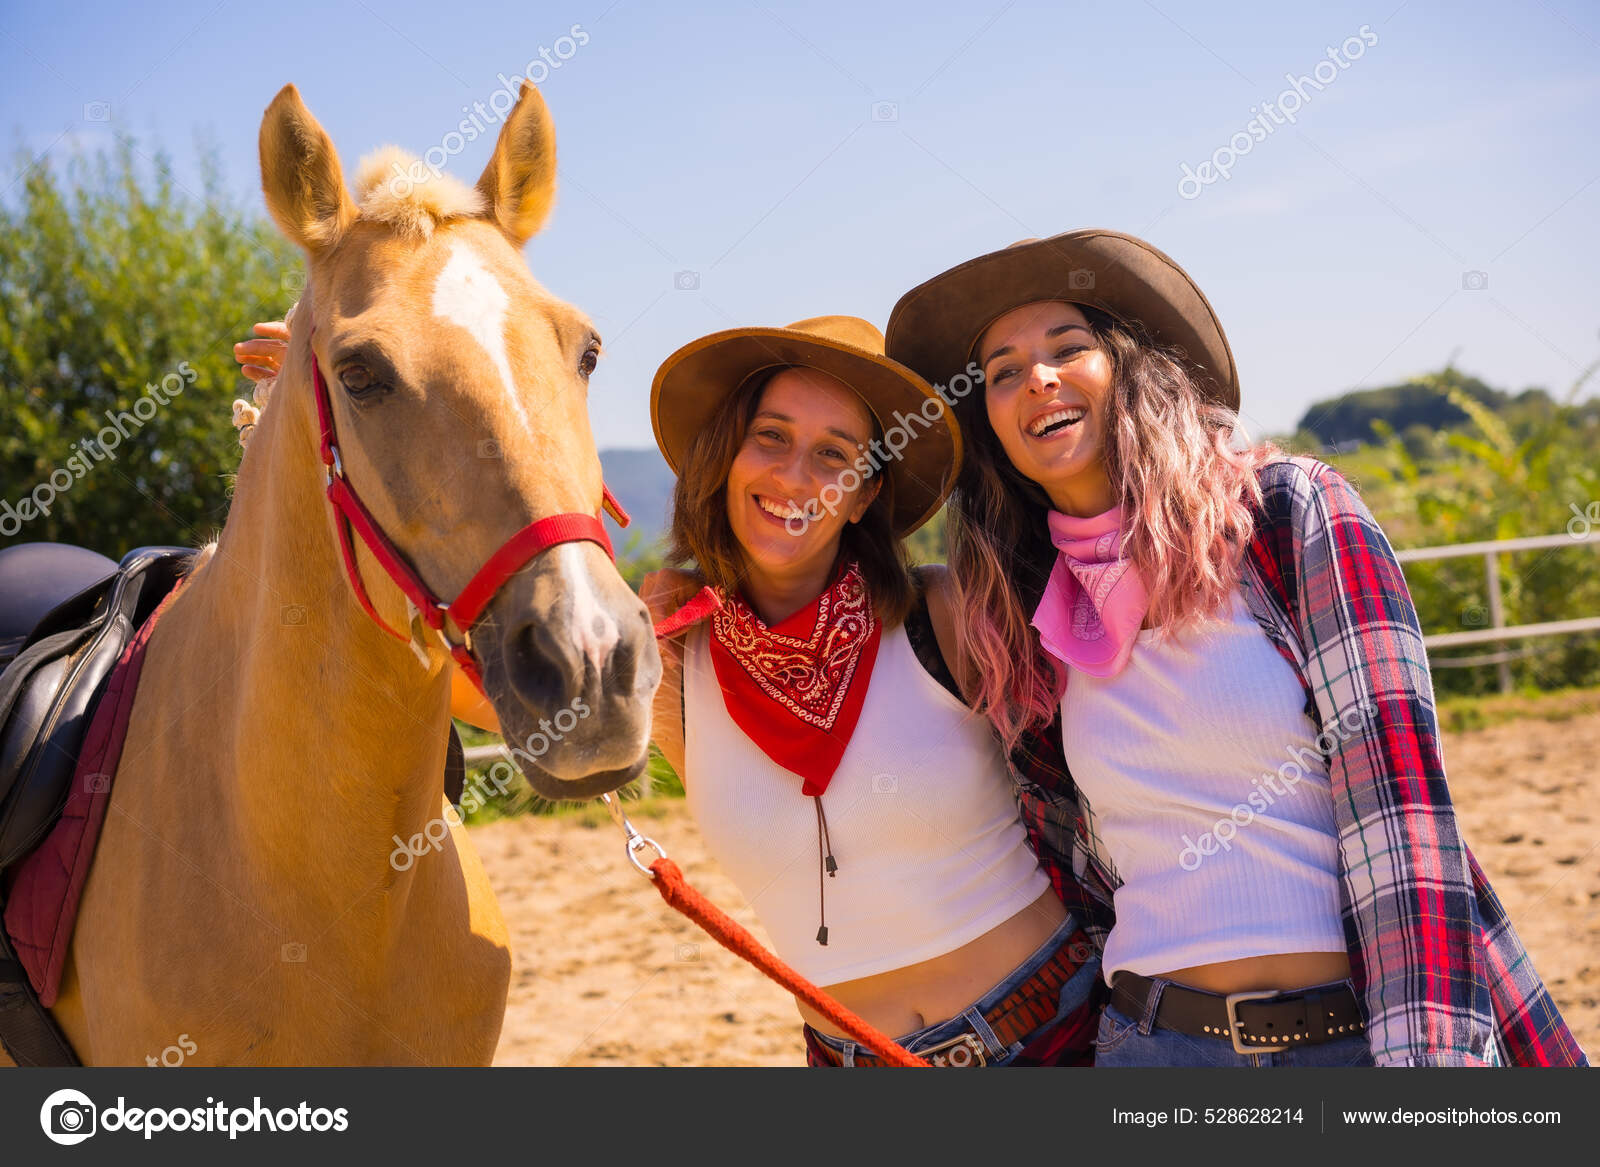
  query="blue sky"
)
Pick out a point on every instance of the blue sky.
point(824, 157)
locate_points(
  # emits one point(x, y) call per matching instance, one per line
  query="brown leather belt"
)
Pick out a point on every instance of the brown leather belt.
point(1013, 1018)
point(1253, 1021)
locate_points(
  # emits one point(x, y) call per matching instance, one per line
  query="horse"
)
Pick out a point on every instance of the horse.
point(245, 904)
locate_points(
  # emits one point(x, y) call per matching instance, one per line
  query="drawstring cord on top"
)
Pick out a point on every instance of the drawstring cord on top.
point(826, 864)
point(704, 603)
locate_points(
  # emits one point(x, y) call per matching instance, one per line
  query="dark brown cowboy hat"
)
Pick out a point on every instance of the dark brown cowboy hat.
point(696, 379)
point(935, 325)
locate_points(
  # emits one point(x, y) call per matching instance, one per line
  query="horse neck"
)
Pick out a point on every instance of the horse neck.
point(337, 730)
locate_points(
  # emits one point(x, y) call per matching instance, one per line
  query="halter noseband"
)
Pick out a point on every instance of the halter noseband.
point(426, 608)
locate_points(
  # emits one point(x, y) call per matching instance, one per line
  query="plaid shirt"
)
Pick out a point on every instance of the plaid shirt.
point(1444, 978)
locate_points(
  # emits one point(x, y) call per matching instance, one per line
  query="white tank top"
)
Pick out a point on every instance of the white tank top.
point(930, 847)
point(1206, 788)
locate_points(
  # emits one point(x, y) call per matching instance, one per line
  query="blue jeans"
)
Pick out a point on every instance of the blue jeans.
point(1135, 1041)
point(1059, 1040)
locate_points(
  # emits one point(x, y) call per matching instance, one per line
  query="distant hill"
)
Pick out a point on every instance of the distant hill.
point(643, 484)
point(1348, 418)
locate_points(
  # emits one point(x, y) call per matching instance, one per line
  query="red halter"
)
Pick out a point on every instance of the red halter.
point(513, 555)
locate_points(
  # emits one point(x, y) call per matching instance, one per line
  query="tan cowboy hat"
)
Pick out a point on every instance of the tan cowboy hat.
point(696, 379)
point(935, 325)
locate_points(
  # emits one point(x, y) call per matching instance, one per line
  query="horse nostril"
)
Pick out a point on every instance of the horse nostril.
point(544, 673)
point(623, 666)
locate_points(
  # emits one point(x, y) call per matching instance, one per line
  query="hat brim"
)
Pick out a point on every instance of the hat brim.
point(934, 327)
point(694, 381)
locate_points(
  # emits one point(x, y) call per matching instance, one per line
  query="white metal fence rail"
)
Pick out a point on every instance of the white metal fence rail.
point(1498, 631)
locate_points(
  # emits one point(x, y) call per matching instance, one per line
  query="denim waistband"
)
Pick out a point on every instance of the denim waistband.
point(972, 1017)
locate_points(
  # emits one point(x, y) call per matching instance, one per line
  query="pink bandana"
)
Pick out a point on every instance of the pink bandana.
point(1092, 607)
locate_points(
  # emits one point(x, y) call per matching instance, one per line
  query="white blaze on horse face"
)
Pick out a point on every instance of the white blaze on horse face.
point(466, 293)
point(593, 628)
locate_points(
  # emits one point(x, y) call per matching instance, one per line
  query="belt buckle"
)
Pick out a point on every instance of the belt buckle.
point(966, 1051)
point(1231, 1003)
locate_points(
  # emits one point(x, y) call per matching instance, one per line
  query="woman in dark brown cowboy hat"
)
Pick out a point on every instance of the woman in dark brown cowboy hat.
point(831, 762)
point(1222, 640)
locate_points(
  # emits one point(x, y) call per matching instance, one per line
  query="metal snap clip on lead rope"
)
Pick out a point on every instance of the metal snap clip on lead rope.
point(634, 842)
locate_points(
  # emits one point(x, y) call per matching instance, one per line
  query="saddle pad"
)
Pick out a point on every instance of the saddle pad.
point(42, 905)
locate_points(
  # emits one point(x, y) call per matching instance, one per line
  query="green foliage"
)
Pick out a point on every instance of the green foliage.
point(1525, 468)
point(114, 278)
point(927, 543)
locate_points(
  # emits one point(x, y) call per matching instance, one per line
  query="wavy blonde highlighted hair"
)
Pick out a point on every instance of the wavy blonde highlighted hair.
point(1187, 498)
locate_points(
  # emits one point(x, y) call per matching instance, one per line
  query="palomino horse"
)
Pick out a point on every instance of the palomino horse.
point(242, 900)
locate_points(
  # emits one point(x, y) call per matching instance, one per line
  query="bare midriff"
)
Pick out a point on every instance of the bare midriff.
point(907, 999)
point(1284, 972)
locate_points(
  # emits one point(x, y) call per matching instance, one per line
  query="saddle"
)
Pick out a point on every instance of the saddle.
point(50, 688)
point(54, 676)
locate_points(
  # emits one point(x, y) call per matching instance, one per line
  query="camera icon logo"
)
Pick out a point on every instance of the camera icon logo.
point(292, 614)
point(490, 448)
point(96, 783)
point(1475, 616)
point(686, 281)
point(1583, 521)
point(885, 111)
point(294, 280)
point(1474, 281)
point(97, 111)
point(884, 784)
point(686, 952)
point(1080, 279)
point(67, 1117)
point(293, 953)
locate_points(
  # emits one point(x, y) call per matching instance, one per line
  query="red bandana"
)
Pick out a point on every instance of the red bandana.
point(789, 687)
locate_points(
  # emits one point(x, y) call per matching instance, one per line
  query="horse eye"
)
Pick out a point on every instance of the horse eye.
point(357, 380)
point(590, 359)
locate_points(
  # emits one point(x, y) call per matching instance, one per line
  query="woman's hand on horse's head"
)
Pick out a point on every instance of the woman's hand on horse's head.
point(664, 592)
point(667, 590)
point(262, 359)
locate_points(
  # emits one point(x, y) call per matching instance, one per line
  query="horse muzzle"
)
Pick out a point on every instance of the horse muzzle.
point(569, 661)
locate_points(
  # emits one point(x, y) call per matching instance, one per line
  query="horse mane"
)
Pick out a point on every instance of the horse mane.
point(399, 189)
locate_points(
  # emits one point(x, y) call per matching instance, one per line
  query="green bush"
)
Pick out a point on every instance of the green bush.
point(121, 294)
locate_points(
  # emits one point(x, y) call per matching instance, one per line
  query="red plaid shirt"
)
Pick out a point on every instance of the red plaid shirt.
point(1444, 978)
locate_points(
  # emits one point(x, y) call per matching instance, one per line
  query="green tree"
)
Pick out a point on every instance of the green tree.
point(116, 284)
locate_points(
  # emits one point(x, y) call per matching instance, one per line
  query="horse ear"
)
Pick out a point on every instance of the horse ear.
point(519, 184)
point(301, 175)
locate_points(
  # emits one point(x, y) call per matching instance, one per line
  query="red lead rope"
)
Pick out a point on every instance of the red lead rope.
point(670, 881)
point(726, 931)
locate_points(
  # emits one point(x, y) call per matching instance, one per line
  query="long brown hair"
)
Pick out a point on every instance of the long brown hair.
point(1186, 499)
point(703, 540)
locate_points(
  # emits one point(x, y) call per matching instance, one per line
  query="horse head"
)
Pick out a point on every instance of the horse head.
point(458, 389)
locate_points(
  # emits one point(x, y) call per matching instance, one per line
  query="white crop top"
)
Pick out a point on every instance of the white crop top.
point(1205, 787)
point(930, 847)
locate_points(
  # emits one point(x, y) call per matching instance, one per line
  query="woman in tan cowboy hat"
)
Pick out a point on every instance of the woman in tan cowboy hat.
point(1222, 641)
point(830, 760)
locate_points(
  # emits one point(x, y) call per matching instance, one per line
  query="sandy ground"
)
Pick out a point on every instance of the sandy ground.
point(606, 974)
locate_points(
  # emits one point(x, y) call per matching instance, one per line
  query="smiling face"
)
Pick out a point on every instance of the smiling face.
point(1048, 387)
point(787, 496)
